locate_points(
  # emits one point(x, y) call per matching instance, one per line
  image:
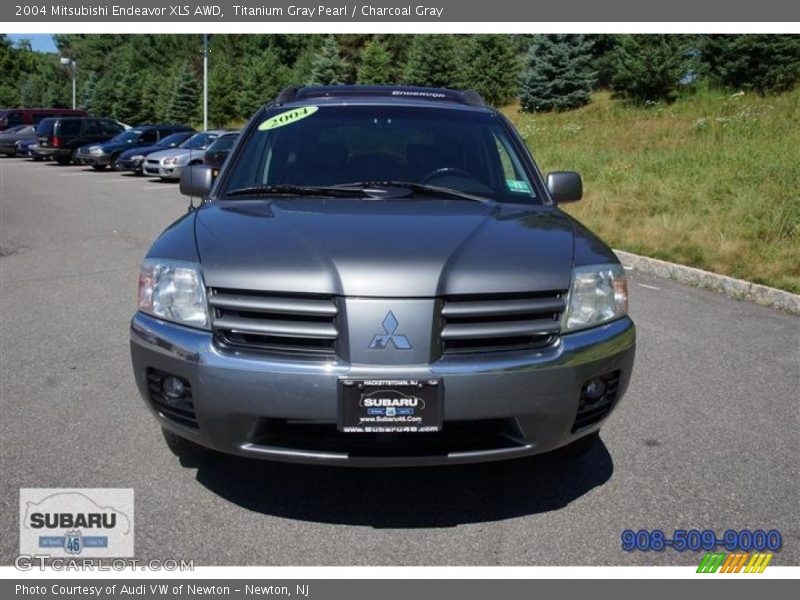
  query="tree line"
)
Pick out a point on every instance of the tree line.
point(152, 78)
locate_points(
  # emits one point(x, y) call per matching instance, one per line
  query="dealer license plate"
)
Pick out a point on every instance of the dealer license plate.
point(390, 405)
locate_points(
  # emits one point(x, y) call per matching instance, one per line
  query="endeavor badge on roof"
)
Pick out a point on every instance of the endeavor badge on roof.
point(288, 117)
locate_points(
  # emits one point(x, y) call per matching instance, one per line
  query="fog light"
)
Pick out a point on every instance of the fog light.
point(594, 389)
point(173, 387)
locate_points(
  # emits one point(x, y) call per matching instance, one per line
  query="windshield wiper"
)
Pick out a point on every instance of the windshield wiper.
point(420, 188)
point(297, 190)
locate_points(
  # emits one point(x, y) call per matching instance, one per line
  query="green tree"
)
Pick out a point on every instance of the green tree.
point(559, 74)
point(221, 82)
point(375, 65)
point(432, 61)
point(763, 63)
point(10, 68)
point(327, 67)
point(491, 67)
point(648, 68)
point(183, 104)
point(263, 77)
point(87, 92)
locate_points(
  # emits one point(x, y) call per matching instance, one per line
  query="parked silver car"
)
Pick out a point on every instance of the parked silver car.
point(168, 164)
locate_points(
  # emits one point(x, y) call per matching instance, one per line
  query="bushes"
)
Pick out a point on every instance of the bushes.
point(763, 63)
point(649, 68)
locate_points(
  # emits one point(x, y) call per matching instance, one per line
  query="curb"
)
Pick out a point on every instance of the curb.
point(722, 284)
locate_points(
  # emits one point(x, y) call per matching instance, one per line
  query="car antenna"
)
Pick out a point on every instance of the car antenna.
point(190, 208)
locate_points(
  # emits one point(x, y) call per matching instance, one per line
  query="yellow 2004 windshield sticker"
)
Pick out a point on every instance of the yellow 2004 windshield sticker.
point(288, 117)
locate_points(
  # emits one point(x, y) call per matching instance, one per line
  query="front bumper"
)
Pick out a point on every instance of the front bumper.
point(172, 172)
point(128, 164)
point(249, 405)
point(86, 158)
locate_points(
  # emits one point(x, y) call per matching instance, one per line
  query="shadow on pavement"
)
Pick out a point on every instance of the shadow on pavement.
point(398, 498)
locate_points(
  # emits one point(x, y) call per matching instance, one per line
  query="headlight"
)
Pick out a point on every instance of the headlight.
point(173, 290)
point(96, 150)
point(137, 157)
point(599, 294)
point(172, 160)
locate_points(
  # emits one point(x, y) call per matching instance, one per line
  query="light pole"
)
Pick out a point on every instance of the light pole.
point(71, 63)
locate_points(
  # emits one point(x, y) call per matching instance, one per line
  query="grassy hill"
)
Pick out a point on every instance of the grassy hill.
point(711, 181)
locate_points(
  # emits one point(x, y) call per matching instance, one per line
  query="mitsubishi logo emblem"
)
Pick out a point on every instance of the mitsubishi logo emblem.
point(382, 340)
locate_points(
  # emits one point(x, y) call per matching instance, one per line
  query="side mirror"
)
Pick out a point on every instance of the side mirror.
point(564, 186)
point(196, 180)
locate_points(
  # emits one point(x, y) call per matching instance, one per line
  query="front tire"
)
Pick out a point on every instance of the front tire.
point(99, 167)
point(189, 453)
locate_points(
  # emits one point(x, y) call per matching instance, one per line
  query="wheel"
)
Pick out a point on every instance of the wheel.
point(187, 451)
point(113, 162)
point(63, 160)
point(99, 167)
point(579, 447)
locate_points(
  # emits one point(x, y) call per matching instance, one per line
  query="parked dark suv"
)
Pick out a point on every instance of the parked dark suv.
point(100, 156)
point(60, 138)
point(381, 276)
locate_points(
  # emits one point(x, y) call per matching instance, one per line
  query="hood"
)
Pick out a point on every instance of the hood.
point(110, 146)
point(144, 150)
point(180, 153)
point(383, 248)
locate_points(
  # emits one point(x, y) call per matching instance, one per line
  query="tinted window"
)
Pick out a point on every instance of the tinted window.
point(68, 127)
point(174, 140)
point(225, 142)
point(149, 136)
point(46, 127)
point(93, 127)
point(200, 141)
point(466, 150)
point(13, 117)
point(111, 127)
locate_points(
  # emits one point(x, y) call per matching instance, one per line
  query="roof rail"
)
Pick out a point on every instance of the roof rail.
point(468, 97)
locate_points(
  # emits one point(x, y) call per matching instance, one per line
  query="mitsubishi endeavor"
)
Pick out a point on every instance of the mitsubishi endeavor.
point(380, 276)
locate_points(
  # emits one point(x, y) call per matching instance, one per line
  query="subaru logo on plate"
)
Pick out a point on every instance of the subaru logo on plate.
point(382, 340)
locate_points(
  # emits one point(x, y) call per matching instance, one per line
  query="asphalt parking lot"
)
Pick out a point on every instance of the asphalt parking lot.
point(707, 436)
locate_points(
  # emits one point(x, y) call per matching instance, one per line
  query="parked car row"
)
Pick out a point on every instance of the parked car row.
point(161, 150)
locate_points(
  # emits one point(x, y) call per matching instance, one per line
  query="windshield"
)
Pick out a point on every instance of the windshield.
point(128, 136)
point(172, 140)
point(465, 150)
point(225, 142)
point(199, 141)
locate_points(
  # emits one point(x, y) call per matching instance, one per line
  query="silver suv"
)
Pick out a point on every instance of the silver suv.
point(380, 276)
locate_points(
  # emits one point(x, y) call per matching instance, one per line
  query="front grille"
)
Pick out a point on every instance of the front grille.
point(274, 323)
point(177, 410)
point(490, 323)
point(151, 161)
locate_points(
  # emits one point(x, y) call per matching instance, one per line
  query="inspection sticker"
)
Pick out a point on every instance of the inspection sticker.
point(288, 117)
point(515, 185)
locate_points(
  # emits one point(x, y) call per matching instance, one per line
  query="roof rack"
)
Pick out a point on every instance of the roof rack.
point(291, 94)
